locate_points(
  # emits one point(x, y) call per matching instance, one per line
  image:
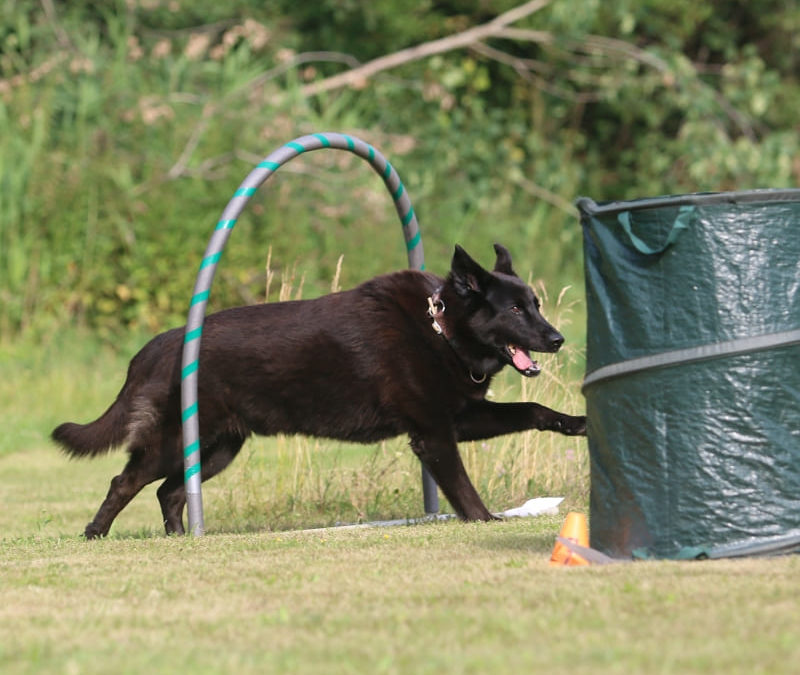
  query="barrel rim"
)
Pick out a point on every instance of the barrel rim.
point(588, 207)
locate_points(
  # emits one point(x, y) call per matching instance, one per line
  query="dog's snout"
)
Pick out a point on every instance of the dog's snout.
point(556, 340)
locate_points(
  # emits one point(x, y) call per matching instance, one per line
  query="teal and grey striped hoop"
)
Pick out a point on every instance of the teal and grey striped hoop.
point(208, 267)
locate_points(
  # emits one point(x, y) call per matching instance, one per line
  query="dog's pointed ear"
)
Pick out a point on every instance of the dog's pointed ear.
point(503, 264)
point(467, 275)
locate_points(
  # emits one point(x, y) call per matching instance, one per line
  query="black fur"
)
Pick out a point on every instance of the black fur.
point(360, 365)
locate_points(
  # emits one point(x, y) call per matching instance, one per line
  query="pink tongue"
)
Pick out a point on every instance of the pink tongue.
point(521, 360)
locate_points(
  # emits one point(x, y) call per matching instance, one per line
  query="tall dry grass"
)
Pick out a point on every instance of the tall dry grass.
point(290, 482)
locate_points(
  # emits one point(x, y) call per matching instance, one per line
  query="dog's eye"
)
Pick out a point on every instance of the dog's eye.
point(516, 309)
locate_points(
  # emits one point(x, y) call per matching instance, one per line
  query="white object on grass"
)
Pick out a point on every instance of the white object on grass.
point(539, 506)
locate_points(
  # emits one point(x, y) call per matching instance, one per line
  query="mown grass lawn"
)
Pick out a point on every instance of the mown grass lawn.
point(434, 598)
point(443, 597)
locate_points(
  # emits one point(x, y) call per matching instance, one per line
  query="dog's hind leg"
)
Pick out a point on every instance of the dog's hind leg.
point(172, 492)
point(172, 498)
point(442, 459)
point(138, 472)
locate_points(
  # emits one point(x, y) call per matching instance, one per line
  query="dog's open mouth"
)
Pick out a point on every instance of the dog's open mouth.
point(522, 361)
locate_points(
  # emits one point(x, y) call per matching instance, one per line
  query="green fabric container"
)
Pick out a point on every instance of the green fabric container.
point(693, 374)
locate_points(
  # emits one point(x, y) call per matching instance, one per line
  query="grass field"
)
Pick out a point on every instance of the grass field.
point(447, 597)
point(249, 598)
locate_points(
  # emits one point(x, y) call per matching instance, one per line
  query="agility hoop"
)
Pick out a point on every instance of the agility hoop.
point(190, 415)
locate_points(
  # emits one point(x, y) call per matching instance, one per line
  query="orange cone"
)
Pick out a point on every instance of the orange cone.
point(576, 530)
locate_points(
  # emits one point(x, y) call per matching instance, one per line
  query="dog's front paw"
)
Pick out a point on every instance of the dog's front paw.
point(570, 425)
point(92, 531)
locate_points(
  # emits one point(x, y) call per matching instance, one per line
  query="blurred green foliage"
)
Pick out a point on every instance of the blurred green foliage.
point(126, 125)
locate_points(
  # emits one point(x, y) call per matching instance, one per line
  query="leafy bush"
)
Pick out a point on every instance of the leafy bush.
point(126, 126)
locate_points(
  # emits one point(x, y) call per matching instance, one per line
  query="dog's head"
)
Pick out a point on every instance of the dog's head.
point(501, 313)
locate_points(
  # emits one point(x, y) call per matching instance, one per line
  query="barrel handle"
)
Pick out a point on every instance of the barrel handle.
point(682, 221)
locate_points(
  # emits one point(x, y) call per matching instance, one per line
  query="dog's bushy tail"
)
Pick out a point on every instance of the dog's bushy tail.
point(98, 437)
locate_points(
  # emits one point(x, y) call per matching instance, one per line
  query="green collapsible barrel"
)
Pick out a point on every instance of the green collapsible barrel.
point(693, 374)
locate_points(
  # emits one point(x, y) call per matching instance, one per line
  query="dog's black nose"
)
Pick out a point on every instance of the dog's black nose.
point(556, 340)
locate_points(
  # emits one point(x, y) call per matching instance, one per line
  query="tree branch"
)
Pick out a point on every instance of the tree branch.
point(362, 72)
point(532, 71)
point(545, 195)
point(473, 38)
point(466, 38)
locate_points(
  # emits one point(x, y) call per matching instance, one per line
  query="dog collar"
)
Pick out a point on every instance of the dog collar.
point(436, 309)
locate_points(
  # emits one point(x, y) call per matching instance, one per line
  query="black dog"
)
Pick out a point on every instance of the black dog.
point(406, 353)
